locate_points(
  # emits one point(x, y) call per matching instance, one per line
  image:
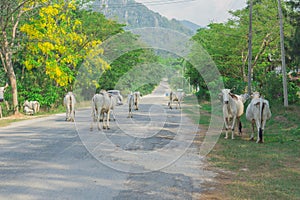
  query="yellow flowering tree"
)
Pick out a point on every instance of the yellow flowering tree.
point(12, 12)
point(57, 43)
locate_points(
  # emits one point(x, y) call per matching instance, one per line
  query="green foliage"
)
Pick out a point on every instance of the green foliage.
point(273, 89)
point(227, 44)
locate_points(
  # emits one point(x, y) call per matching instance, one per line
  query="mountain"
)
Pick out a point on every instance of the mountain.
point(137, 15)
point(190, 25)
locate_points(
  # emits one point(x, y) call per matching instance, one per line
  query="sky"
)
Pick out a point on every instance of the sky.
point(201, 12)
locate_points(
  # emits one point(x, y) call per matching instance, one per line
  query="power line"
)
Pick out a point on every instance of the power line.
point(148, 3)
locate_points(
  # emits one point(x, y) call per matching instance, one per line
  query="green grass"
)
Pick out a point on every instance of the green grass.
point(259, 171)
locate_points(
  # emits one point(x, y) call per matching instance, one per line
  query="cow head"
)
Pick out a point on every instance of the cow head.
point(225, 95)
point(255, 95)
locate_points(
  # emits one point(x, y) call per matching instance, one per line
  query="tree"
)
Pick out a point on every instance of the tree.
point(285, 92)
point(11, 14)
point(227, 43)
point(57, 44)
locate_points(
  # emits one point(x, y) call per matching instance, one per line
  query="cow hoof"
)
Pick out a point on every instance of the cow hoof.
point(252, 139)
point(226, 137)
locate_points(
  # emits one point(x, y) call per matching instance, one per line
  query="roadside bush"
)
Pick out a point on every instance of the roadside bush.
point(272, 89)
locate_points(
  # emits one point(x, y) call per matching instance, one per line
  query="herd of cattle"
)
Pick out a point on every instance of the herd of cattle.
point(104, 103)
point(257, 112)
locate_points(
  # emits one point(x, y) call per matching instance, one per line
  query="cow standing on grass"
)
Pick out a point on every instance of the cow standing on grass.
point(2, 90)
point(258, 112)
point(69, 103)
point(233, 108)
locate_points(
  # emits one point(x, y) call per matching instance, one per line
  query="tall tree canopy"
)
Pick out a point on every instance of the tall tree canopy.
point(227, 43)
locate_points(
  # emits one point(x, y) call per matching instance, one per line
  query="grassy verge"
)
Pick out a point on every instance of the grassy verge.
point(247, 170)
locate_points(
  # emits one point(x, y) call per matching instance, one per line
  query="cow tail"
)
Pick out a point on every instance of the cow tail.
point(70, 103)
point(135, 99)
point(261, 110)
point(130, 103)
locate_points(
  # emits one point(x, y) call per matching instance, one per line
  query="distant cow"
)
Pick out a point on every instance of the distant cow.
point(2, 90)
point(176, 96)
point(31, 105)
point(258, 112)
point(233, 108)
point(69, 103)
point(101, 105)
point(130, 100)
point(136, 100)
point(114, 102)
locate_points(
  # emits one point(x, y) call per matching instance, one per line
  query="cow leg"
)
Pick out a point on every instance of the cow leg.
point(226, 127)
point(252, 134)
point(170, 105)
point(262, 130)
point(258, 130)
point(67, 114)
point(1, 111)
point(107, 120)
point(240, 126)
point(98, 121)
point(260, 136)
point(232, 127)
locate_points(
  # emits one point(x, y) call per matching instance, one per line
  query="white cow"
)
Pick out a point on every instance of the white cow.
point(233, 108)
point(69, 103)
point(136, 100)
point(114, 102)
point(28, 111)
point(176, 96)
point(258, 112)
point(130, 100)
point(31, 105)
point(2, 90)
point(101, 105)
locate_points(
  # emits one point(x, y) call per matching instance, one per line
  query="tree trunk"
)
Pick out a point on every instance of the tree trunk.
point(14, 89)
point(285, 92)
point(6, 57)
point(250, 75)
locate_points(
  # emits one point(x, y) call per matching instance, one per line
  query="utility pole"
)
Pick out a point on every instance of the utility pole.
point(285, 92)
point(250, 48)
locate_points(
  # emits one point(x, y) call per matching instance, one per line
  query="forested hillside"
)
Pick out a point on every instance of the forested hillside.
point(136, 15)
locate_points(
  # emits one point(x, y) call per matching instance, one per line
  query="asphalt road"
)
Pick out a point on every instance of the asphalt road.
point(151, 156)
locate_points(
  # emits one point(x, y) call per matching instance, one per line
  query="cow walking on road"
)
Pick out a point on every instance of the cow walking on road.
point(176, 96)
point(69, 103)
point(101, 107)
point(130, 100)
